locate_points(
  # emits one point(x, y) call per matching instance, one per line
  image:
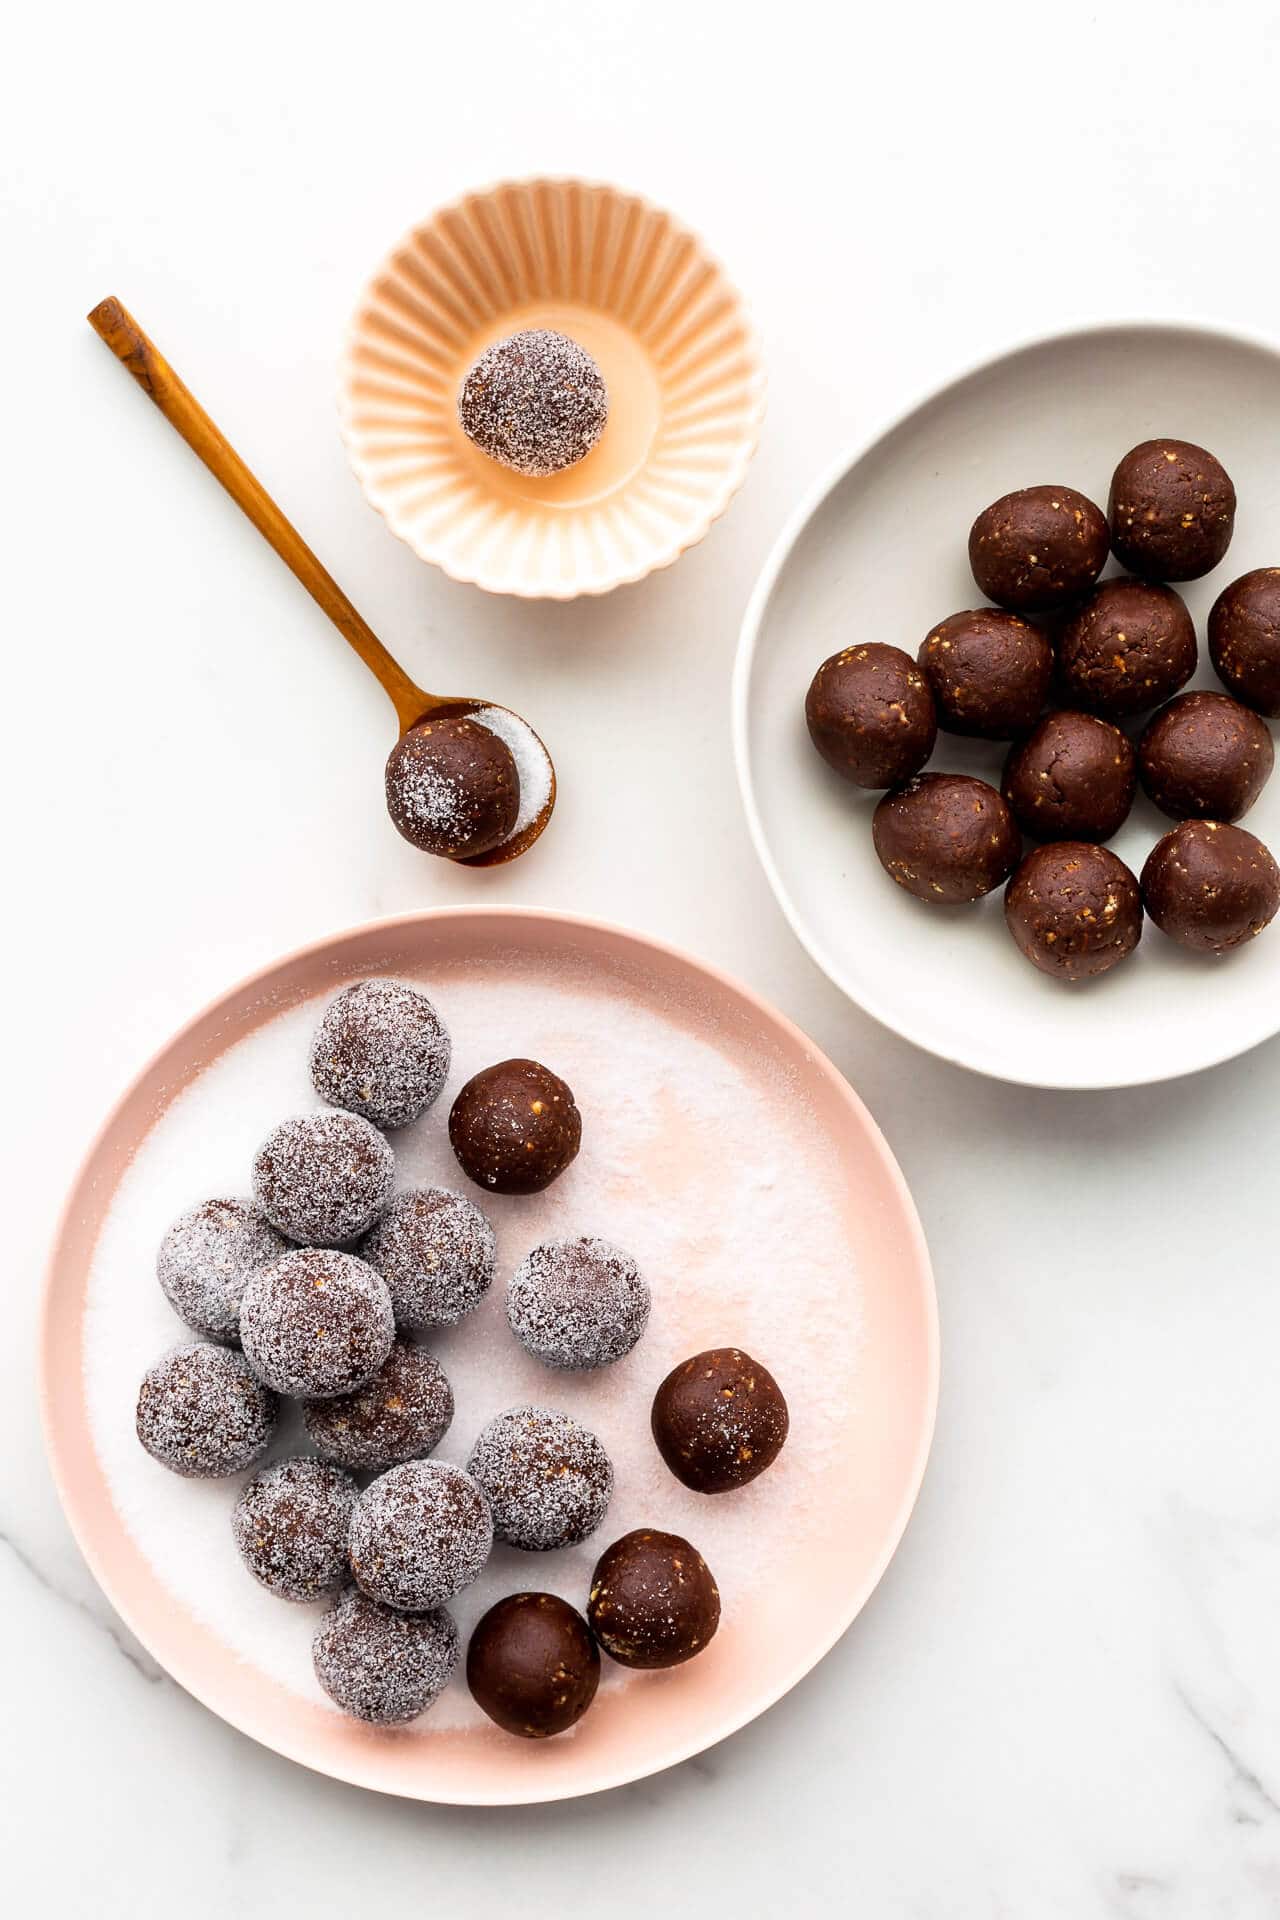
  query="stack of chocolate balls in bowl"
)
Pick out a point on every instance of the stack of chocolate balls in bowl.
point(325, 1288)
point(1079, 679)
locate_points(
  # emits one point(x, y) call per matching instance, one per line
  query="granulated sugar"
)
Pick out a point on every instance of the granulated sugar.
point(530, 756)
point(697, 1157)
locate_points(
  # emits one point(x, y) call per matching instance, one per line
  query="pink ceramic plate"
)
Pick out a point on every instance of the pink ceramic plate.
point(857, 1489)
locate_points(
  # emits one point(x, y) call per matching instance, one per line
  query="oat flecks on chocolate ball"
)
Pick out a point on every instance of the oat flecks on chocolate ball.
point(532, 1665)
point(515, 1127)
point(1210, 886)
point(316, 1323)
point(946, 838)
point(381, 1051)
point(1244, 639)
point(437, 1254)
point(1074, 909)
point(870, 715)
point(323, 1178)
point(578, 1304)
point(1205, 757)
point(453, 788)
point(291, 1525)
point(380, 1665)
point(719, 1420)
point(203, 1413)
point(1073, 778)
point(420, 1534)
point(988, 671)
point(548, 1479)
point(1172, 509)
point(1129, 647)
point(653, 1601)
point(403, 1413)
point(535, 402)
point(205, 1259)
point(1038, 548)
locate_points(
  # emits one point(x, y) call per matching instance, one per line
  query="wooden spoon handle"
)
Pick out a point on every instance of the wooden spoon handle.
point(114, 324)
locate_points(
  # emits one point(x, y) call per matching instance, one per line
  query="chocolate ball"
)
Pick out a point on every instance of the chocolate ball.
point(1129, 647)
point(946, 837)
point(653, 1601)
point(316, 1323)
point(419, 1534)
point(870, 715)
point(1072, 779)
point(578, 1304)
point(548, 1480)
point(436, 1253)
point(1172, 509)
point(1074, 909)
point(1038, 548)
point(535, 402)
point(401, 1414)
point(203, 1413)
point(205, 1260)
point(514, 1127)
point(1205, 757)
point(1244, 639)
point(381, 1051)
point(290, 1525)
point(323, 1178)
point(380, 1665)
point(532, 1665)
point(1210, 886)
point(453, 787)
point(988, 671)
point(719, 1420)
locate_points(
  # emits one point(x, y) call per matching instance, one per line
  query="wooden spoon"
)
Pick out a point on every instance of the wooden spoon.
point(114, 324)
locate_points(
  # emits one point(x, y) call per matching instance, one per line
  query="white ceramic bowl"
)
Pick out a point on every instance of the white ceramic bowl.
point(878, 552)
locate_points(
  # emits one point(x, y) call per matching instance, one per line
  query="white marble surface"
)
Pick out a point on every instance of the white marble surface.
point(1063, 1699)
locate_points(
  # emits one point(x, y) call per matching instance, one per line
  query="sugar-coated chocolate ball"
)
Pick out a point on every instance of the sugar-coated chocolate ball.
point(420, 1534)
point(535, 402)
point(719, 1420)
point(1038, 548)
point(1172, 510)
point(946, 838)
point(1129, 647)
point(548, 1480)
point(436, 1253)
point(515, 1127)
point(578, 1304)
point(1074, 909)
point(1244, 639)
point(323, 1178)
point(403, 1413)
point(203, 1413)
point(870, 714)
point(380, 1665)
point(532, 1665)
point(453, 787)
point(316, 1323)
point(653, 1600)
point(291, 1524)
point(988, 671)
point(206, 1258)
point(1205, 757)
point(1073, 778)
point(1210, 886)
point(381, 1051)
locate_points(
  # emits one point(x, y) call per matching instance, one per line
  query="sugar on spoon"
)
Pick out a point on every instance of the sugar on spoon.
point(466, 778)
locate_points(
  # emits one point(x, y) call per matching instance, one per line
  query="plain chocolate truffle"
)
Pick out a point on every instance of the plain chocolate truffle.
point(548, 1480)
point(532, 1665)
point(515, 1127)
point(1244, 639)
point(436, 1253)
point(420, 1534)
point(1074, 909)
point(653, 1601)
point(323, 1178)
point(1129, 647)
point(381, 1051)
point(1072, 779)
point(1205, 757)
point(1172, 509)
point(535, 402)
point(401, 1414)
point(1210, 886)
point(946, 838)
point(578, 1304)
point(205, 1260)
point(719, 1420)
point(453, 787)
point(316, 1323)
point(1038, 548)
point(290, 1525)
point(988, 671)
point(381, 1665)
point(870, 715)
point(203, 1413)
